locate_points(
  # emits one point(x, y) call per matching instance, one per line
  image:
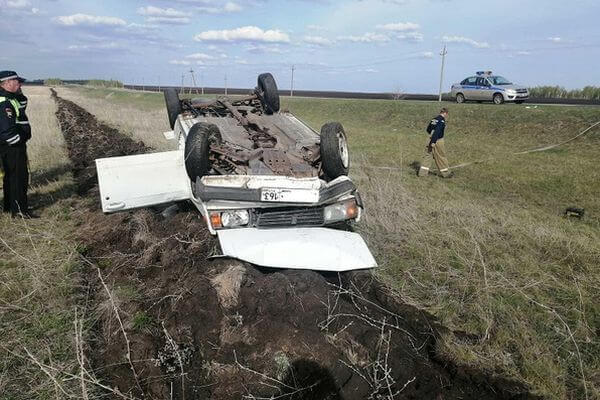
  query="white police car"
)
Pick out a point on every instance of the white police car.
point(485, 86)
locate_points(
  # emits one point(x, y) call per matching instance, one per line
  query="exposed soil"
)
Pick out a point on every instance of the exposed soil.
point(223, 329)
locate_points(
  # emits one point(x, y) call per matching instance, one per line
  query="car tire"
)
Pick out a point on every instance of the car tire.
point(197, 147)
point(335, 159)
point(498, 98)
point(269, 94)
point(460, 98)
point(519, 102)
point(173, 105)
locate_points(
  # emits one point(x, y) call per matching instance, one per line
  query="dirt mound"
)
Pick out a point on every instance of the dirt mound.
point(173, 324)
point(87, 140)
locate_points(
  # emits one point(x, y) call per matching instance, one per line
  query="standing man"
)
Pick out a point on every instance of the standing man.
point(436, 147)
point(14, 133)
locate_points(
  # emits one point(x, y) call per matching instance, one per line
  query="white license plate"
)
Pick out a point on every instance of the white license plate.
point(289, 195)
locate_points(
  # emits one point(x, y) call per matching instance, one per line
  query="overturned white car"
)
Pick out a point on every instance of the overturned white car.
point(274, 191)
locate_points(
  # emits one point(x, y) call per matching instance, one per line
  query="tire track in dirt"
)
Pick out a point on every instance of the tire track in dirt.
point(224, 329)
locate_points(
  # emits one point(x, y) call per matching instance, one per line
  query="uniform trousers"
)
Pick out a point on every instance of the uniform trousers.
point(16, 178)
point(438, 151)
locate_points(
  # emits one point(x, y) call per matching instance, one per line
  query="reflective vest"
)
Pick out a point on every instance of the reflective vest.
point(15, 103)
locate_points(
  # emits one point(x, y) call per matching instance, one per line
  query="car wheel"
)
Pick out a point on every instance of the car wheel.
point(498, 98)
point(269, 94)
point(460, 98)
point(335, 159)
point(197, 147)
point(173, 105)
point(519, 101)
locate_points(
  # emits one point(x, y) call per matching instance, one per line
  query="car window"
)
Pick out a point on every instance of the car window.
point(482, 82)
point(471, 81)
point(499, 80)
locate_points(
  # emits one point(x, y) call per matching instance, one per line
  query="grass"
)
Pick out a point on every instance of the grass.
point(588, 92)
point(489, 251)
point(39, 269)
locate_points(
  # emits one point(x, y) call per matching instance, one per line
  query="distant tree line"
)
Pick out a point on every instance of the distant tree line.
point(104, 83)
point(559, 92)
point(92, 82)
point(53, 82)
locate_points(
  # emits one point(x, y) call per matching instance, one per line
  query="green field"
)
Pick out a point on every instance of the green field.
point(489, 251)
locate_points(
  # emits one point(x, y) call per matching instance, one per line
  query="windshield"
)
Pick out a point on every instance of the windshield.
point(499, 80)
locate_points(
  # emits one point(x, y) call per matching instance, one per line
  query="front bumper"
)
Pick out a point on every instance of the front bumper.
point(305, 191)
point(516, 97)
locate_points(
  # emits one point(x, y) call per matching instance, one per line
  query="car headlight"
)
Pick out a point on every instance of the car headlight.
point(341, 211)
point(229, 219)
point(511, 91)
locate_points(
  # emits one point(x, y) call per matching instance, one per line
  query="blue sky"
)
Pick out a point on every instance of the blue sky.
point(354, 45)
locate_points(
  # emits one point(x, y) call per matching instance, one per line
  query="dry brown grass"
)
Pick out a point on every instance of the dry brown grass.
point(39, 267)
point(145, 124)
point(488, 251)
point(227, 285)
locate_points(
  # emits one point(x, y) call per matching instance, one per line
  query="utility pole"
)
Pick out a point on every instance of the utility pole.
point(181, 89)
point(194, 81)
point(443, 54)
point(292, 85)
point(202, 81)
point(225, 84)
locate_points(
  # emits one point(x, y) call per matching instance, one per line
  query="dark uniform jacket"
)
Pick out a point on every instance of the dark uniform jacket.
point(436, 128)
point(14, 125)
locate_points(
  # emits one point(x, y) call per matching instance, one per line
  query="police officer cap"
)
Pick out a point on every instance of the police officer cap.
point(7, 75)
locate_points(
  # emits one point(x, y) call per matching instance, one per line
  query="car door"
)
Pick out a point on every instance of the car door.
point(142, 180)
point(469, 87)
point(484, 89)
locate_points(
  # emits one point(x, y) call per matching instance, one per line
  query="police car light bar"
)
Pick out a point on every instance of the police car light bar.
point(479, 73)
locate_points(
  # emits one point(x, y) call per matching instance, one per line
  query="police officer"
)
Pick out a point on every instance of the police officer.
point(14, 134)
point(435, 146)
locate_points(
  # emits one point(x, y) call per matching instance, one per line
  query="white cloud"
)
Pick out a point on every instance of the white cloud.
point(368, 37)
point(163, 15)
point(260, 48)
point(89, 20)
point(168, 20)
point(465, 40)
point(411, 36)
point(400, 27)
point(523, 53)
point(19, 7)
point(160, 12)
point(427, 54)
point(316, 28)
point(229, 7)
point(179, 62)
point(244, 34)
point(99, 46)
point(555, 39)
point(318, 41)
point(232, 7)
point(15, 4)
point(201, 56)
